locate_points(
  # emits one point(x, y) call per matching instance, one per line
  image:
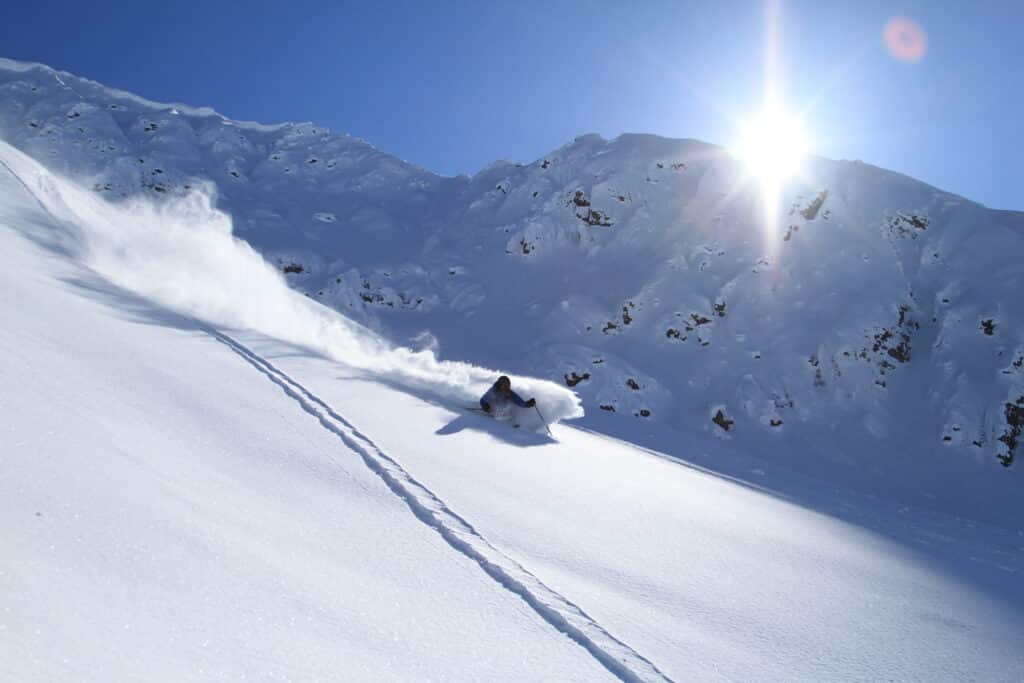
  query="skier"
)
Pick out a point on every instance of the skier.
point(499, 398)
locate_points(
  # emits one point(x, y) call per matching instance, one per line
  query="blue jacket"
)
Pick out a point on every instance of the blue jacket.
point(496, 400)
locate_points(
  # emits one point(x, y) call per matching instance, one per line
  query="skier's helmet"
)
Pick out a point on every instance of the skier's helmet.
point(504, 382)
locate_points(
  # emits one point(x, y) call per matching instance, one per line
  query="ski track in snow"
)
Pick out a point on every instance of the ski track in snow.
point(616, 656)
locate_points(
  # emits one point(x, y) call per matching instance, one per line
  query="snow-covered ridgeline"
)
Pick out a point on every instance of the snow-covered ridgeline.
point(878, 316)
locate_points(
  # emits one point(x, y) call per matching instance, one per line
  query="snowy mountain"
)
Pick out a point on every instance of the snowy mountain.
point(189, 494)
point(881, 316)
point(209, 476)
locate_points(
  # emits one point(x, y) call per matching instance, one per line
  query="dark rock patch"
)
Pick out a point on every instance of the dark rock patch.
point(812, 209)
point(907, 225)
point(699, 319)
point(573, 379)
point(595, 218)
point(580, 199)
point(722, 421)
point(1014, 413)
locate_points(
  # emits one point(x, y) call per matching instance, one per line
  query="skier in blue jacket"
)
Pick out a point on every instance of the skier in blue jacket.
point(500, 397)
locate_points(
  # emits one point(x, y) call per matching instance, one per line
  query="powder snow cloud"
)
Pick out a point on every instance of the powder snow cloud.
point(181, 254)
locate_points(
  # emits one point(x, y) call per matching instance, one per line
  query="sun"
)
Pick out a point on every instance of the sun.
point(772, 145)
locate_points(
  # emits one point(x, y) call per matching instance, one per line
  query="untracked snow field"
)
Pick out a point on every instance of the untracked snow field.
point(188, 501)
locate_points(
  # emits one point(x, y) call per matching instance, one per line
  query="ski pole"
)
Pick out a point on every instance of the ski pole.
point(543, 420)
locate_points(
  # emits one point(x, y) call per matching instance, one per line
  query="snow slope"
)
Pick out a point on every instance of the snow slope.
point(169, 516)
point(711, 578)
point(869, 332)
point(189, 500)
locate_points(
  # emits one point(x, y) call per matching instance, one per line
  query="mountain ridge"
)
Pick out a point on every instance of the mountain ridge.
point(878, 313)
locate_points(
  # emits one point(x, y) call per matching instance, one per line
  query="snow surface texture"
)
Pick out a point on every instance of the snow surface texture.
point(187, 503)
point(877, 326)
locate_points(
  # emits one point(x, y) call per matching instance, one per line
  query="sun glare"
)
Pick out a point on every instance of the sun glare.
point(772, 145)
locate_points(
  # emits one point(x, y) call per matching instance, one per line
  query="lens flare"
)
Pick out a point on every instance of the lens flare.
point(905, 39)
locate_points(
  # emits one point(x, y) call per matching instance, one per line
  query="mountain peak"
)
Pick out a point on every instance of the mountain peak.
point(643, 272)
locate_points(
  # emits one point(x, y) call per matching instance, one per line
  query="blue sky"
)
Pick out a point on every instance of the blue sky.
point(453, 86)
